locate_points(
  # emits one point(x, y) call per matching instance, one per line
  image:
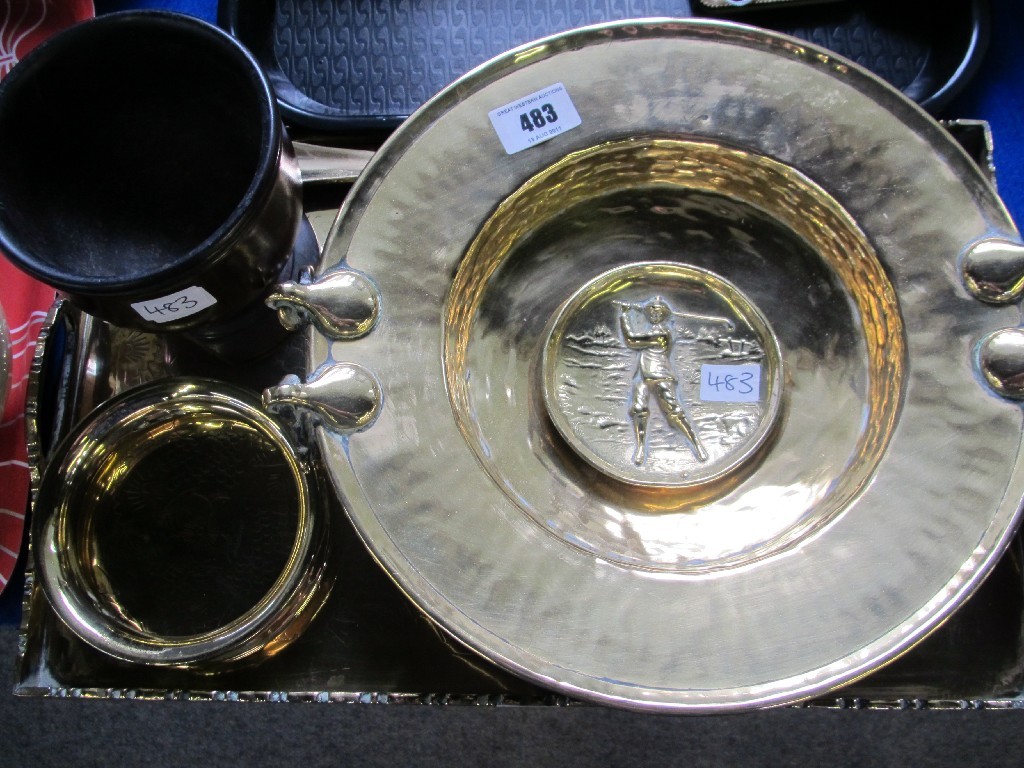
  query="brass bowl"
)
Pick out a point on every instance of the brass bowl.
point(694, 209)
point(179, 527)
point(544, 476)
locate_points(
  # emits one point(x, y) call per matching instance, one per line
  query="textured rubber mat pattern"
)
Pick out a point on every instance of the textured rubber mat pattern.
point(351, 63)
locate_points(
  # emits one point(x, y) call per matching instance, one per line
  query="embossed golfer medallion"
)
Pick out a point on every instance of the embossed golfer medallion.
point(661, 374)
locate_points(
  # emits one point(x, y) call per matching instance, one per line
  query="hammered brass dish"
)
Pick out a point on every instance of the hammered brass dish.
point(696, 394)
point(179, 527)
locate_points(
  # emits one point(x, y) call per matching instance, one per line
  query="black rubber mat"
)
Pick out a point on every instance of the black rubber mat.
point(926, 48)
point(357, 64)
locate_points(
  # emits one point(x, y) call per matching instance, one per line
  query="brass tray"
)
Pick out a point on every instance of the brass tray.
point(370, 644)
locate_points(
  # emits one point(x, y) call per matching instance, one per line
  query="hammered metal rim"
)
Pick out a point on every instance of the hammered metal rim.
point(498, 583)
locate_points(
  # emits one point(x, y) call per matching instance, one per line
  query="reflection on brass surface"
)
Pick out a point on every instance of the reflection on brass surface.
point(595, 210)
point(1001, 360)
point(331, 165)
point(342, 304)
point(994, 270)
point(136, 359)
point(345, 397)
point(179, 528)
point(679, 342)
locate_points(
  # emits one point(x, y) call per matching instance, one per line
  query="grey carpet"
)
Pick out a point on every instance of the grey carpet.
point(48, 732)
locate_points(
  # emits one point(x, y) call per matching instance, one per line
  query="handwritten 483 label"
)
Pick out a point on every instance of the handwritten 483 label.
point(730, 383)
point(175, 306)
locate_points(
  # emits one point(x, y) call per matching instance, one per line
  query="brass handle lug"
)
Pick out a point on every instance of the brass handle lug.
point(1001, 362)
point(993, 270)
point(344, 397)
point(343, 304)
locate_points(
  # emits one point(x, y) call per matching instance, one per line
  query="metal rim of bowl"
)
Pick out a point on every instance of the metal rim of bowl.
point(510, 591)
point(60, 535)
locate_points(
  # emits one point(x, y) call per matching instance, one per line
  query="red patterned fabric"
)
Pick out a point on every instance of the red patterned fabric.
point(26, 23)
point(25, 303)
point(23, 25)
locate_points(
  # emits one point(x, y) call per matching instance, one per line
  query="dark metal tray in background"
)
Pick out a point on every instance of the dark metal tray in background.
point(353, 65)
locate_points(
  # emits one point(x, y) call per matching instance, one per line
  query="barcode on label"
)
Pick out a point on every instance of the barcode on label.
point(535, 118)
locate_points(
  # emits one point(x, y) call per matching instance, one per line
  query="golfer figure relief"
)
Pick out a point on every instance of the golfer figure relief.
point(661, 374)
point(649, 329)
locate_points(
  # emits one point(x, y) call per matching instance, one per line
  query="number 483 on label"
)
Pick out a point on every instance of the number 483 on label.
point(535, 118)
point(175, 306)
point(730, 383)
point(538, 118)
